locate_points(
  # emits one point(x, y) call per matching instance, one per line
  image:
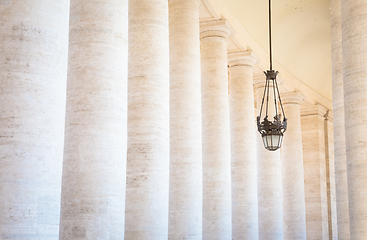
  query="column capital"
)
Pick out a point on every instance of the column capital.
point(215, 28)
point(244, 58)
point(196, 2)
point(314, 110)
point(292, 97)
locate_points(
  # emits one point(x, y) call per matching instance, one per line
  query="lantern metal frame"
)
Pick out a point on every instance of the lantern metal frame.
point(271, 130)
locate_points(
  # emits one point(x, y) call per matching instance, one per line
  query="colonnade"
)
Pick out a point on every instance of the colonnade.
point(155, 144)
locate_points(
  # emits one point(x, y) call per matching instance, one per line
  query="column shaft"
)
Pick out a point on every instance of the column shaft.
point(216, 139)
point(185, 203)
point(339, 127)
point(294, 211)
point(148, 121)
point(313, 139)
point(33, 63)
point(330, 168)
point(269, 178)
point(243, 147)
point(354, 34)
point(93, 191)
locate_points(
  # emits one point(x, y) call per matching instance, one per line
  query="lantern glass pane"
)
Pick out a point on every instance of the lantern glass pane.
point(268, 139)
point(265, 142)
point(280, 140)
point(275, 143)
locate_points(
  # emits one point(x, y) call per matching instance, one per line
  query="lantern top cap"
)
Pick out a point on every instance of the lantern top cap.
point(271, 74)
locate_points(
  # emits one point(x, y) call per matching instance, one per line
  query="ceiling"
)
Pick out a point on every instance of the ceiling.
point(301, 36)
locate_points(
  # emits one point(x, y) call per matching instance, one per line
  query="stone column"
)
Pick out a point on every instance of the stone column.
point(339, 127)
point(294, 211)
point(243, 146)
point(185, 202)
point(354, 34)
point(269, 177)
point(216, 132)
point(33, 63)
point(330, 174)
point(147, 183)
point(313, 139)
point(93, 191)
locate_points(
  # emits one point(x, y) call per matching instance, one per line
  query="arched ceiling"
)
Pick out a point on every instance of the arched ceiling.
point(301, 36)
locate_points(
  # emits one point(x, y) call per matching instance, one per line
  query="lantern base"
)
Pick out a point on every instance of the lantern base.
point(272, 141)
point(272, 132)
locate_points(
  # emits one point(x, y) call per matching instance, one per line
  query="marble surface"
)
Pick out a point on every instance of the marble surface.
point(294, 210)
point(93, 190)
point(216, 132)
point(243, 146)
point(147, 187)
point(354, 34)
point(185, 198)
point(33, 70)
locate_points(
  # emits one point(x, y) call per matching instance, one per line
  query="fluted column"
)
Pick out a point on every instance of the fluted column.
point(216, 132)
point(294, 211)
point(147, 183)
point(33, 70)
point(185, 202)
point(243, 146)
point(93, 191)
point(313, 139)
point(269, 178)
point(339, 128)
point(354, 34)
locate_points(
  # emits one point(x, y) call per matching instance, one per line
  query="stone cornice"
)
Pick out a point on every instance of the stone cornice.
point(314, 110)
point(329, 116)
point(219, 9)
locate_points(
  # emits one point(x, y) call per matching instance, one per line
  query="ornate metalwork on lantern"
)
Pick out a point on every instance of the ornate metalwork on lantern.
point(271, 130)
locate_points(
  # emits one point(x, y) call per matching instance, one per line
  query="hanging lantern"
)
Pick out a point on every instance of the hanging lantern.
point(271, 130)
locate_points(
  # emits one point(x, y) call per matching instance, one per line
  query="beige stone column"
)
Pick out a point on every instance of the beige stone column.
point(339, 127)
point(33, 70)
point(313, 139)
point(294, 211)
point(147, 183)
point(216, 132)
point(330, 174)
point(243, 146)
point(185, 201)
point(269, 178)
point(354, 34)
point(93, 191)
